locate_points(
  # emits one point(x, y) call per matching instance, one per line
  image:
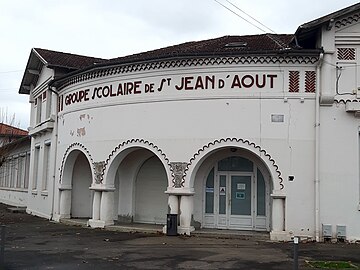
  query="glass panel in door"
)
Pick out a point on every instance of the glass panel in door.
point(240, 195)
point(222, 195)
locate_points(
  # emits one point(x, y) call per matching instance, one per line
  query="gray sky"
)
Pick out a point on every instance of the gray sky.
point(110, 28)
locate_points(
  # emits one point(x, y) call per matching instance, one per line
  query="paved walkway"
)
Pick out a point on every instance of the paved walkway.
point(158, 229)
point(35, 243)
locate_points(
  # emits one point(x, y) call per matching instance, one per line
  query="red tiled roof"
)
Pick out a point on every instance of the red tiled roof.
point(7, 130)
point(67, 60)
point(227, 45)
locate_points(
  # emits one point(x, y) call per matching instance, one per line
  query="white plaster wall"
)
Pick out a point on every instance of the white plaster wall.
point(181, 124)
point(40, 202)
point(339, 169)
point(16, 196)
point(45, 74)
point(13, 197)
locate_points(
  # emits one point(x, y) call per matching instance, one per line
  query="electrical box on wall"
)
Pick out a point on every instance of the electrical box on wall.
point(327, 231)
point(340, 232)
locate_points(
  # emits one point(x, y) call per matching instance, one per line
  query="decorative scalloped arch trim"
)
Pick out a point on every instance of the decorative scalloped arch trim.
point(353, 18)
point(245, 144)
point(193, 62)
point(137, 143)
point(71, 147)
point(344, 101)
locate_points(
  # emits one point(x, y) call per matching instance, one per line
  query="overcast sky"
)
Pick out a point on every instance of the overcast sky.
point(113, 28)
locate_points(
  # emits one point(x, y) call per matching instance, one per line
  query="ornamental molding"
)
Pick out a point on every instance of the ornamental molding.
point(135, 143)
point(177, 63)
point(249, 145)
point(353, 18)
point(346, 100)
point(98, 169)
point(178, 172)
point(71, 147)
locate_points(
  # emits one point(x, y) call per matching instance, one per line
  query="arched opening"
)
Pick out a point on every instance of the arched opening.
point(140, 184)
point(232, 191)
point(81, 195)
point(76, 197)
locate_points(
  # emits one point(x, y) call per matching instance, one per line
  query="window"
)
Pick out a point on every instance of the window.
point(13, 166)
point(46, 166)
point(209, 190)
point(36, 167)
point(2, 175)
point(20, 173)
point(260, 189)
point(27, 170)
point(48, 105)
point(38, 106)
point(235, 164)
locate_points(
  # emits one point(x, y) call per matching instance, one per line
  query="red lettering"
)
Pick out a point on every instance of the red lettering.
point(271, 76)
point(263, 81)
point(199, 83)
point(247, 85)
point(236, 82)
point(136, 87)
point(188, 82)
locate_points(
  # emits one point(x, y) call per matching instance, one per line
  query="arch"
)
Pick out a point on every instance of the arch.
point(122, 150)
point(150, 200)
point(68, 161)
point(226, 174)
point(208, 149)
point(75, 196)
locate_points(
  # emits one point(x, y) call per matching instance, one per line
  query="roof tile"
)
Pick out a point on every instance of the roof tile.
point(67, 60)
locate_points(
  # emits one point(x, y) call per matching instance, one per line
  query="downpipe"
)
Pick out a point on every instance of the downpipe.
point(317, 148)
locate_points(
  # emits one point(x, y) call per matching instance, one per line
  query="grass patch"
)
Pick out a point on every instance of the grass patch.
point(332, 265)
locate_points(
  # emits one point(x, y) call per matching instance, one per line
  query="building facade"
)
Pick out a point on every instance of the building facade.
point(240, 132)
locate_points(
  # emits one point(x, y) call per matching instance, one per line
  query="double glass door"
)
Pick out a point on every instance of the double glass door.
point(234, 201)
point(236, 196)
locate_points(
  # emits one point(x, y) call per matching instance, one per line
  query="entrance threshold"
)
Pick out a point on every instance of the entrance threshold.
point(237, 234)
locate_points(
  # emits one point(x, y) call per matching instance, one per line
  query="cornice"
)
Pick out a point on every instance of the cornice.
point(179, 63)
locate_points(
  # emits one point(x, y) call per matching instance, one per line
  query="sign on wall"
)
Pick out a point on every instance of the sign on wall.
point(175, 85)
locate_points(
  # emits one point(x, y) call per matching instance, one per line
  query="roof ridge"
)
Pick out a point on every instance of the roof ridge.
point(66, 53)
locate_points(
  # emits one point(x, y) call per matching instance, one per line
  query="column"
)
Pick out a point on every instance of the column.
point(107, 207)
point(186, 211)
point(94, 222)
point(173, 204)
point(65, 203)
point(173, 208)
point(96, 205)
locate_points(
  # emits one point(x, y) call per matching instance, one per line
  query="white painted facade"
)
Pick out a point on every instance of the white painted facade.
point(247, 142)
point(14, 173)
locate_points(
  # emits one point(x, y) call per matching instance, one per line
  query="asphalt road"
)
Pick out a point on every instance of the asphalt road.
point(35, 243)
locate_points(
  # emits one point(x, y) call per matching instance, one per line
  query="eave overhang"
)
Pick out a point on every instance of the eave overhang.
point(57, 82)
point(32, 71)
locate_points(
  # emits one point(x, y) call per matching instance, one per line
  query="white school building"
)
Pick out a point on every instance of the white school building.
point(257, 132)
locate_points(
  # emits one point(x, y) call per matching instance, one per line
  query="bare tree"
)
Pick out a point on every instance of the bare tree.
point(7, 118)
